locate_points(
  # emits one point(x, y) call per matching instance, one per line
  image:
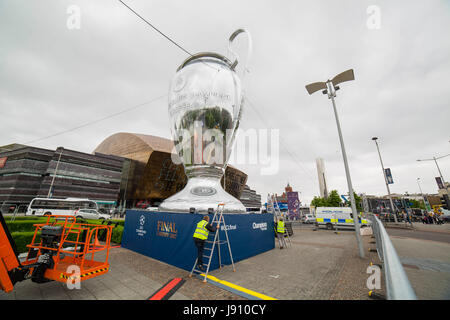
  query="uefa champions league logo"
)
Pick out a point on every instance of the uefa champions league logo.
point(140, 231)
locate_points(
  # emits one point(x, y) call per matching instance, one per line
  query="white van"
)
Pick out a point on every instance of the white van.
point(340, 216)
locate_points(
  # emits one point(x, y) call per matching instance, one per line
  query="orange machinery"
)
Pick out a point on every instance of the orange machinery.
point(61, 250)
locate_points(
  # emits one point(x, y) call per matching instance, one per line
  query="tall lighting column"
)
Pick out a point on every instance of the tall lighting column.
point(425, 201)
point(386, 181)
point(446, 195)
point(50, 195)
point(329, 87)
point(439, 170)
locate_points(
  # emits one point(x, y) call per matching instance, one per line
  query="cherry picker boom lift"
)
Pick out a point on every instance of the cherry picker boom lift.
point(59, 247)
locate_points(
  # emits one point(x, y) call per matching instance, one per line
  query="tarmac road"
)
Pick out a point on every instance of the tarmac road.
point(419, 234)
point(425, 255)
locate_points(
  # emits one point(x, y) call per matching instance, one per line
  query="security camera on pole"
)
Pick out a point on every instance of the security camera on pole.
point(329, 87)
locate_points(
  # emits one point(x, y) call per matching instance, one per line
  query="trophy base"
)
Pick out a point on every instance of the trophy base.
point(202, 193)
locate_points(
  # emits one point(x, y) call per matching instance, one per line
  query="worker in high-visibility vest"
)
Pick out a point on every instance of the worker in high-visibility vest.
point(200, 236)
point(280, 232)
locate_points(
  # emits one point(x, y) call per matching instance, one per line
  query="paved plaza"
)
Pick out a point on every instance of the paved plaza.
point(319, 265)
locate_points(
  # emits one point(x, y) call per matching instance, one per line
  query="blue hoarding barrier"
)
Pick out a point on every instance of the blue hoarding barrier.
point(168, 236)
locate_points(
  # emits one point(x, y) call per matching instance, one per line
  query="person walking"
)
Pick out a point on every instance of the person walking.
point(200, 235)
point(430, 218)
point(280, 231)
point(436, 218)
point(408, 217)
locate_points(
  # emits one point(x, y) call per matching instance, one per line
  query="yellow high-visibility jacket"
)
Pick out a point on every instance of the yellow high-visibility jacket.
point(201, 232)
point(280, 227)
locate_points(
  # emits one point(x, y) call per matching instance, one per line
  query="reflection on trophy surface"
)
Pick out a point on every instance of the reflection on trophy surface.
point(205, 103)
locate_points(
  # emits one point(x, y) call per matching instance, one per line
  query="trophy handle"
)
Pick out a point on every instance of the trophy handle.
point(236, 56)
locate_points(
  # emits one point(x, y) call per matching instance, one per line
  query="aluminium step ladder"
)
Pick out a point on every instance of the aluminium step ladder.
point(277, 214)
point(217, 218)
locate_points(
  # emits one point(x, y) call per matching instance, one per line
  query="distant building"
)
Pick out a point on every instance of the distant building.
point(382, 204)
point(282, 200)
point(28, 172)
point(322, 178)
point(250, 199)
point(152, 176)
point(126, 170)
point(376, 204)
point(434, 200)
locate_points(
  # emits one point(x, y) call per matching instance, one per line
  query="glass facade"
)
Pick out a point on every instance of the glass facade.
point(30, 172)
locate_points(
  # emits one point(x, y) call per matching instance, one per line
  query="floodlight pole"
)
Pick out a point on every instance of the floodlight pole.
point(331, 94)
point(386, 181)
point(439, 170)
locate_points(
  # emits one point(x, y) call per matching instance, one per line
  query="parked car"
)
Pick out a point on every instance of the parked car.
point(91, 214)
point(309, 218)
point(152, 209)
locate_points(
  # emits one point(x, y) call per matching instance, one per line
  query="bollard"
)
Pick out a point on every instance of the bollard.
point(376, 264)
point(376, 296)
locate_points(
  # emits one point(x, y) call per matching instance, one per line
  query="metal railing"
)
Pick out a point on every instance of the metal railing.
point(398, 286)
point(13, 209)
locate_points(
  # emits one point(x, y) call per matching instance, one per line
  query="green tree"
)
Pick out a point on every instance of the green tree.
point(358, 202)
point(417, 204)
point(318, 202)
point(334, 200)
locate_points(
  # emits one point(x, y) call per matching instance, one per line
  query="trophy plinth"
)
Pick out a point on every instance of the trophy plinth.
point(202, 193)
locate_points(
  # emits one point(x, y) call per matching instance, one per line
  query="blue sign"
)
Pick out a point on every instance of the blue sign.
point(168, 236)
point(439, 183)
point(282, 205)
point(388, 174)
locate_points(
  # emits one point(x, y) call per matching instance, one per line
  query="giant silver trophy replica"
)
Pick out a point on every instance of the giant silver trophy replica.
point(205, 104)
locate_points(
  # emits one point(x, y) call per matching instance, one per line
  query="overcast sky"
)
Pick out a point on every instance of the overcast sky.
point(53, 79)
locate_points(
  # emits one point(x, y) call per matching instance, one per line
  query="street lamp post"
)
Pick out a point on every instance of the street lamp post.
point(445, 196)
point(54, 174)
point(439, 170)
point(425, 201)
point(386, 181)
point(329, 87)
point(418, 179)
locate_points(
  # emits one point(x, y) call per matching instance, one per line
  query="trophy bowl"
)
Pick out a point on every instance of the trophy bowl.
point(205, 103)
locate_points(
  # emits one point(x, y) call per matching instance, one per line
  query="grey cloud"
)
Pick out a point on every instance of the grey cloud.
point(53, 79)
